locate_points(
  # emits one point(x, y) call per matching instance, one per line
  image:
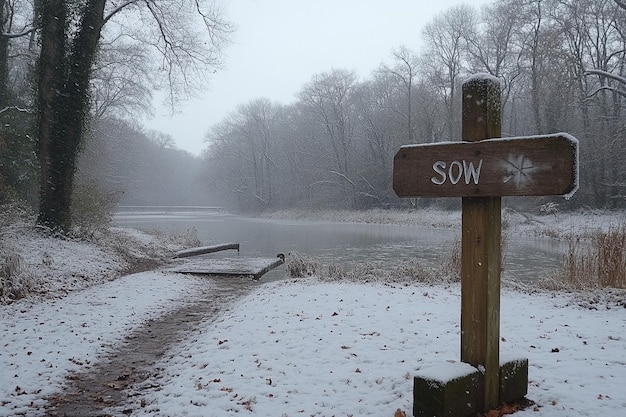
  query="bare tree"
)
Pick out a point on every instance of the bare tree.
point(162, 140)
point(405, 72)
point(380, 132)
point(608, 65)
point(15, 22)
point(120, 84)
point(544, 59)
point(71, 33)
point(327, 98)
point(496, 47)
point(243, 153)
point(443, 61)
point(17, 171)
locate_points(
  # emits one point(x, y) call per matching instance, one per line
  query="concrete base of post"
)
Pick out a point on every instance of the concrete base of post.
point(451, 390)
point(513, 380)
point(448, 390)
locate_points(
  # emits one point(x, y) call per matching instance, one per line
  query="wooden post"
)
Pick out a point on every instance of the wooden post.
point(481, 169)
point(480, 251)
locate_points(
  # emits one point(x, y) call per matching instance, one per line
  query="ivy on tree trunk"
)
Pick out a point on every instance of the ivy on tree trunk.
point(67, 55)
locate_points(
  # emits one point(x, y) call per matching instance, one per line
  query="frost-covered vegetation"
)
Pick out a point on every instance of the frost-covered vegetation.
point(538, 222)
point(34, 262)
point(424, 217)
point(596, 256)
point(409, 271)
point(599, 261)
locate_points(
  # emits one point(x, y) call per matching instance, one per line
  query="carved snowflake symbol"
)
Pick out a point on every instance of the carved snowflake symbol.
point(519, 170)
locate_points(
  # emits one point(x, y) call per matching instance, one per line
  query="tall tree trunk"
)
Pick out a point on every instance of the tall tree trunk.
point(53, 15)
point(4, 56)
point(63, 84)
point(535, 76)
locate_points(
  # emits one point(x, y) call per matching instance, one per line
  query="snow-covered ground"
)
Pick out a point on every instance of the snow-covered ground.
point(43, 344)
point(346, 349)
point(299, 347)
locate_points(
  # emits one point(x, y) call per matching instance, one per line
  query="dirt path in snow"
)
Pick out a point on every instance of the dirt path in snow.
point(110, 382)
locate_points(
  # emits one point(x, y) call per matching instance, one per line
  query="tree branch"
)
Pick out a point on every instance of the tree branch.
point(343, 176)
point(606, 74)
point(117, 10)
point(20, 34)
point(19, 109)
point(612, 89)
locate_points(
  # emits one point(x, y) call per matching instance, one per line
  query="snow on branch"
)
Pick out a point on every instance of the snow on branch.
point(19, 109)
point(342, 176)
point(601, 73)
point(606, 74)
point(621, 3)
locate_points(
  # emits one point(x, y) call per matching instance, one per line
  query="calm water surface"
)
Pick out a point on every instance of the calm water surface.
point(526, 259)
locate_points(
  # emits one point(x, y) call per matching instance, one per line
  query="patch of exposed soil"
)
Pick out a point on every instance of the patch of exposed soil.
point(109, 382)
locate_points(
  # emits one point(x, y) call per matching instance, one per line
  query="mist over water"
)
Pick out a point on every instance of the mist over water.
point(526, 259)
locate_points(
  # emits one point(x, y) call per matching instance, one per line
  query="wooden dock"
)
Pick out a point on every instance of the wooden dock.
point(202, 250)
point(251, 267)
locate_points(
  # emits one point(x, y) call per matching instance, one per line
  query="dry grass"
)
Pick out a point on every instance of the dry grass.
point(600, 263)
point(405, 272)
point(452, 264)
point(408, 271)
point(16, 281)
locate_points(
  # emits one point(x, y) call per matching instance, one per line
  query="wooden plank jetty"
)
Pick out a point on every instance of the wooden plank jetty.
point(252, 267)
point(185, 253)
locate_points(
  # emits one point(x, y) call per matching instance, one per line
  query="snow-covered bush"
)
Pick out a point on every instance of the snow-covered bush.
point(188, 239)
point(299, 266)
point(92, 209)
point(15, 215)
point(15, 279)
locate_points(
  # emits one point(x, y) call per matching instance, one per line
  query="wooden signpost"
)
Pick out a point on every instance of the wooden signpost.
point(482, 170)
point(524, 166)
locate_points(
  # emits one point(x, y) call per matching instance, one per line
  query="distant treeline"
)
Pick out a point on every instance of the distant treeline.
point(562, 65)
point(140, 168)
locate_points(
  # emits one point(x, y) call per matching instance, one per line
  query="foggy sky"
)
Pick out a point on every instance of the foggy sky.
point(279, 44)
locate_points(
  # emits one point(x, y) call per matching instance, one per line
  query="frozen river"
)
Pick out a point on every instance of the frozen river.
point(526, 259)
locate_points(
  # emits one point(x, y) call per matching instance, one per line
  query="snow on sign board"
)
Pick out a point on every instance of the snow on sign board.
point(522, 166)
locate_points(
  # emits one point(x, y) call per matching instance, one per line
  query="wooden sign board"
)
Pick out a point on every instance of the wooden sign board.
point(522, 166)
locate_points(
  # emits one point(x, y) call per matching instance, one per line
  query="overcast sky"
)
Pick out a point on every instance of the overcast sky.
point(279, 44)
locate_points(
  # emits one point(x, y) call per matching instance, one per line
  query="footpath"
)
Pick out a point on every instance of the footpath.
point(120, 374)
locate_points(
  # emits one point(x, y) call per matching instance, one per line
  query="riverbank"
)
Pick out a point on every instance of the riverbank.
point(549, 223)
point(296, 347)
point(313, 345)
point(38, 266)
point(594, 255)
